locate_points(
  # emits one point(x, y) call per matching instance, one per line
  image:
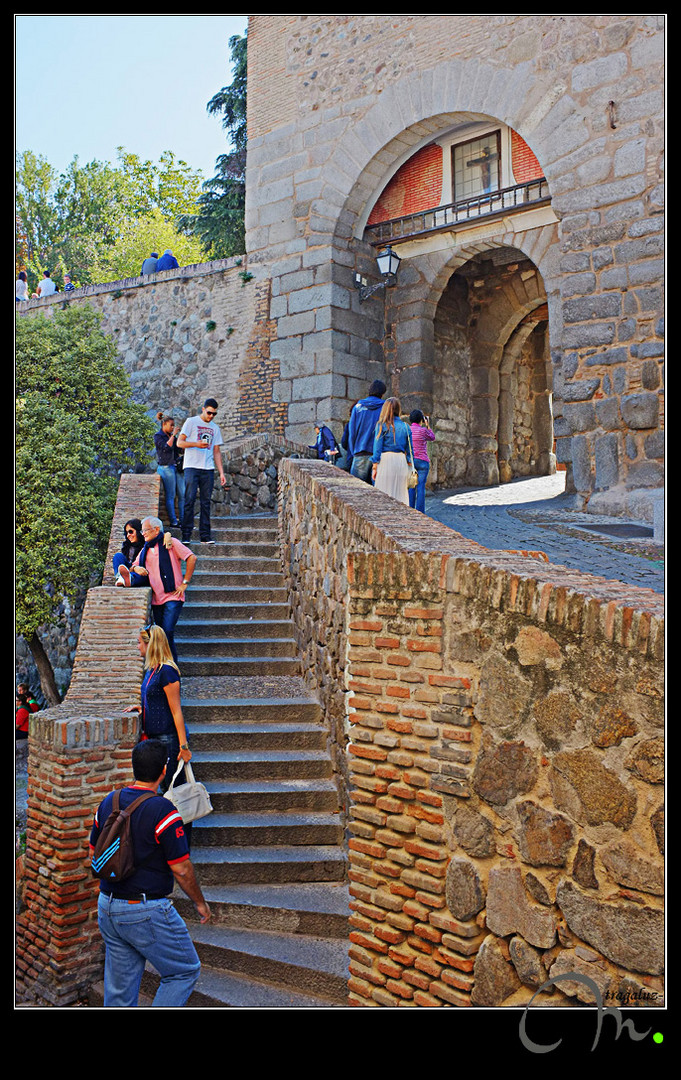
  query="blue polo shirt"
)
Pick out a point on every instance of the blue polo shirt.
point(159, 841)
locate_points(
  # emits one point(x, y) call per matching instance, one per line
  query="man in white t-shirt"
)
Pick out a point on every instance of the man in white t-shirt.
point(46, 286)
point(201, 440)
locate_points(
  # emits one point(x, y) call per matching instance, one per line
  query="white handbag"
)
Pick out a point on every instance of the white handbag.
point(191, 799)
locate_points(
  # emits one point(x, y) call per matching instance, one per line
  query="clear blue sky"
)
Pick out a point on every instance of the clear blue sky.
point(86, 84)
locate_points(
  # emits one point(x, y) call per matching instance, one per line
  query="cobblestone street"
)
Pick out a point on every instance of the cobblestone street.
point(536, 514)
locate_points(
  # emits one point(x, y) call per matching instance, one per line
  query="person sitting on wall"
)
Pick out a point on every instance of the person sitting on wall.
point(150, 263)
point(167, 261)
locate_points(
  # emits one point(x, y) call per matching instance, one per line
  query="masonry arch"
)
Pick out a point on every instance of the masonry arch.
point(508, 377)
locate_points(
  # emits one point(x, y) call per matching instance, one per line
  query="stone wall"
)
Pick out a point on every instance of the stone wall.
point(186, 334)
point(498, 731)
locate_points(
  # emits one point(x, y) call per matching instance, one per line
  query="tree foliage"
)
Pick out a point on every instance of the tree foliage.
point(77, 429)
point(220, 209)
point(73, 223)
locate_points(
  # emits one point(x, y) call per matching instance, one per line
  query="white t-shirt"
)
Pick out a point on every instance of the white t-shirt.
point(195, 429)
point(47, 287)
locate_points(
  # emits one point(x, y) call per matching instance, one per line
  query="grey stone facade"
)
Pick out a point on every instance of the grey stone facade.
point(586, 93)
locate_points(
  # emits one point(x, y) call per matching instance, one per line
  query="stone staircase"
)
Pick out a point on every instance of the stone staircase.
point(270, 858)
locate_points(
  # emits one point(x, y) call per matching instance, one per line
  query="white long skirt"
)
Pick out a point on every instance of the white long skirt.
point(392, 476)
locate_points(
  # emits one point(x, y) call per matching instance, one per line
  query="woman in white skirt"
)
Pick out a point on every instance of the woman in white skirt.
point(393, 453)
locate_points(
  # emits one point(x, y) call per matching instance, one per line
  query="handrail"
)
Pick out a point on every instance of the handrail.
point(490, 204)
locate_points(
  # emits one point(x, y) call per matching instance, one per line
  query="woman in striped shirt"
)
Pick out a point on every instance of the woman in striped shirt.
point(421, 435)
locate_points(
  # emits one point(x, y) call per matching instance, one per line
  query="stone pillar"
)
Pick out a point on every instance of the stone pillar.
point(74, 760)
point(78, 752)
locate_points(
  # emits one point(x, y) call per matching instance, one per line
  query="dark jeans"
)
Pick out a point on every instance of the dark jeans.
point(361, 467)
point(417, 495)
point(166, 616)
point(197, 481)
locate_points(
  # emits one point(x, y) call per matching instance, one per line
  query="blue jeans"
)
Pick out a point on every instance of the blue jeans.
point(135, 579)
point(149, 930)
point(173, 484)
point(417, 495)
point(166, 616)
point(197, 481)
point(361, 467)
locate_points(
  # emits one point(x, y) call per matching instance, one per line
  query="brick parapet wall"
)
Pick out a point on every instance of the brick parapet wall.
point(500, 746)
point(78, 751)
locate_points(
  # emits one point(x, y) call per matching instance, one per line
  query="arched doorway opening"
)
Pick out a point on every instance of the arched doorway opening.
point(491, 373)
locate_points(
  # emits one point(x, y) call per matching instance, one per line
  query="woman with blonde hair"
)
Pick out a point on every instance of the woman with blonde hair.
point(393, 454)
point(160, 707)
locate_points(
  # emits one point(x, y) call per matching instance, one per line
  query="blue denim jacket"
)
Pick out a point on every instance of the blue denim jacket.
point(384, 442)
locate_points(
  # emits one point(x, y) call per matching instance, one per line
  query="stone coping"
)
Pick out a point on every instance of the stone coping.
point(247, 444)
point(193, 270)
point(521, 581)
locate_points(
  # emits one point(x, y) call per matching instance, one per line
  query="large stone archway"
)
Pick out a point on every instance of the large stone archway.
point(321, 157)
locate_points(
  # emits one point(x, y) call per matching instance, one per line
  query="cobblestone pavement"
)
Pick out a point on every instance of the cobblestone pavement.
point(536, 514)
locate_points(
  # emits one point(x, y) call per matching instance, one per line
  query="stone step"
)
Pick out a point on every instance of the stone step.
point(315, 966)
point(222, 990)
point(213, 579)
point(247, 547)
point(210, 766)
point(218, 611)
point(220, 666)
point(266, 828)
point(249, 522)
point(190, 648)
point(274, 864)
point(320, 909)
point(262, 735)
point(244, 794)
point(216, 563)
point(200, 594)
point(254, 710)
point(254, 626)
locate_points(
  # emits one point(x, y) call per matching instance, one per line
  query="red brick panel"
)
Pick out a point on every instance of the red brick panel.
point(525, 164)
point(417, 185)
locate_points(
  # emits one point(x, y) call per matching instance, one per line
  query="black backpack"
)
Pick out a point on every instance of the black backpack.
point(113, 857)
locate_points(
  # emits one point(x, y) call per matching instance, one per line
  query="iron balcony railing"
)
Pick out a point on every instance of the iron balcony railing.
point(491, 204)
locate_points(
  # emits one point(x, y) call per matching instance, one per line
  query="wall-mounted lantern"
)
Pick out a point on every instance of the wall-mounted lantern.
point(388, 265)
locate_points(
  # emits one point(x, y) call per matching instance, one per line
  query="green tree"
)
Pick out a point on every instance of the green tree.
point(220, 209)
point(73, 223)
point(77, 430)
point(138, 237)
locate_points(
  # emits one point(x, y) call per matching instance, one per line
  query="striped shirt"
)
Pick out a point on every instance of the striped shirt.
point(420, 437)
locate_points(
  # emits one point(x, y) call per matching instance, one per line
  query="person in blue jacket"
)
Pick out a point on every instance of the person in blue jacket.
point(393, 454)
point(326, 446)
point(361, 430)
point(167, 261)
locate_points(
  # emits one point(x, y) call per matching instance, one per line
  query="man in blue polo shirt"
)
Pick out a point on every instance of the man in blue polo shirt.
point(137, 920)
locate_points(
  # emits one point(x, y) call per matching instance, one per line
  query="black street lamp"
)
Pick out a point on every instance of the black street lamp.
point(388, 264)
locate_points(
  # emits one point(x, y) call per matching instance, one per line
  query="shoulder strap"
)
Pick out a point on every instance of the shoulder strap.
point(140, 799)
